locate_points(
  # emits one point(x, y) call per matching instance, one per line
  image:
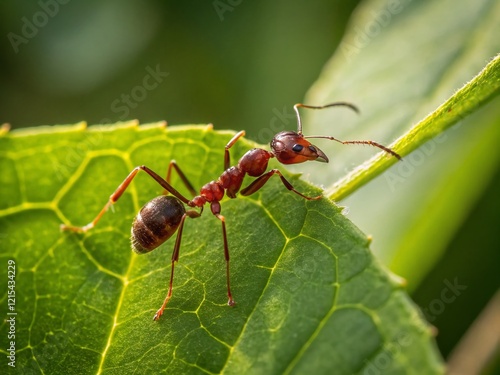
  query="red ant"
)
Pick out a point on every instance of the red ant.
point(161, 217)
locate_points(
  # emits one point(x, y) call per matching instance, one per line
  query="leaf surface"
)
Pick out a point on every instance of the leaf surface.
point(310, 295)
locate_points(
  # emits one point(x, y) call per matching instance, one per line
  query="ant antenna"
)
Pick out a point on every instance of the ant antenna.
point(345, 104)
point(299, 121)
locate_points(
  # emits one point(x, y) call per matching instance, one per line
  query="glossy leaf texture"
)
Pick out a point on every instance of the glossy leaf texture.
point(399, 62)
point(311, 297)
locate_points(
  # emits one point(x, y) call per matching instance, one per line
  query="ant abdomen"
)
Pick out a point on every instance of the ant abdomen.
point(155, 223)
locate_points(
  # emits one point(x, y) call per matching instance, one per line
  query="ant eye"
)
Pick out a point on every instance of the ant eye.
point(297, 148)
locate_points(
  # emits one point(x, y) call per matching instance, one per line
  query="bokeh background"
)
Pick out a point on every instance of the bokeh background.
point(236, 64)
point(228, 65)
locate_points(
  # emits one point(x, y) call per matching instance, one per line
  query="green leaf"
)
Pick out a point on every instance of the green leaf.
point(469, 98)
point(398, 62)
point(310, 295)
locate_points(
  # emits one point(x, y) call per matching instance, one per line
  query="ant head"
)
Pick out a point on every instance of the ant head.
point(292, 148)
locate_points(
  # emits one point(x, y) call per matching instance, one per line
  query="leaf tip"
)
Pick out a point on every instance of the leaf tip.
point(4, 128)
point(77, 127)
point(433, 331)
point(80, 126)
point(398, 280)
point(369, 239)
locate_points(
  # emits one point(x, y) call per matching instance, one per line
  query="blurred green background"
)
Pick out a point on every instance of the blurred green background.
point(232, 66)
point(236, 64)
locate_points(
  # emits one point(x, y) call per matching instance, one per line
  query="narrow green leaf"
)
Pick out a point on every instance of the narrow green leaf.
point(481, 89)
point(310, 295)
point(399, 62)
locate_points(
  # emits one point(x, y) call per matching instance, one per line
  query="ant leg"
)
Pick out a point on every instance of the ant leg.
point(230, 301)
point(175, 258)
point(259, 182)
point(183, 177)
point(227, 159)
point(118, 193)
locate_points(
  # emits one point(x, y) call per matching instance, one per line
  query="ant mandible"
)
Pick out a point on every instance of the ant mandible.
point(161, 217)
